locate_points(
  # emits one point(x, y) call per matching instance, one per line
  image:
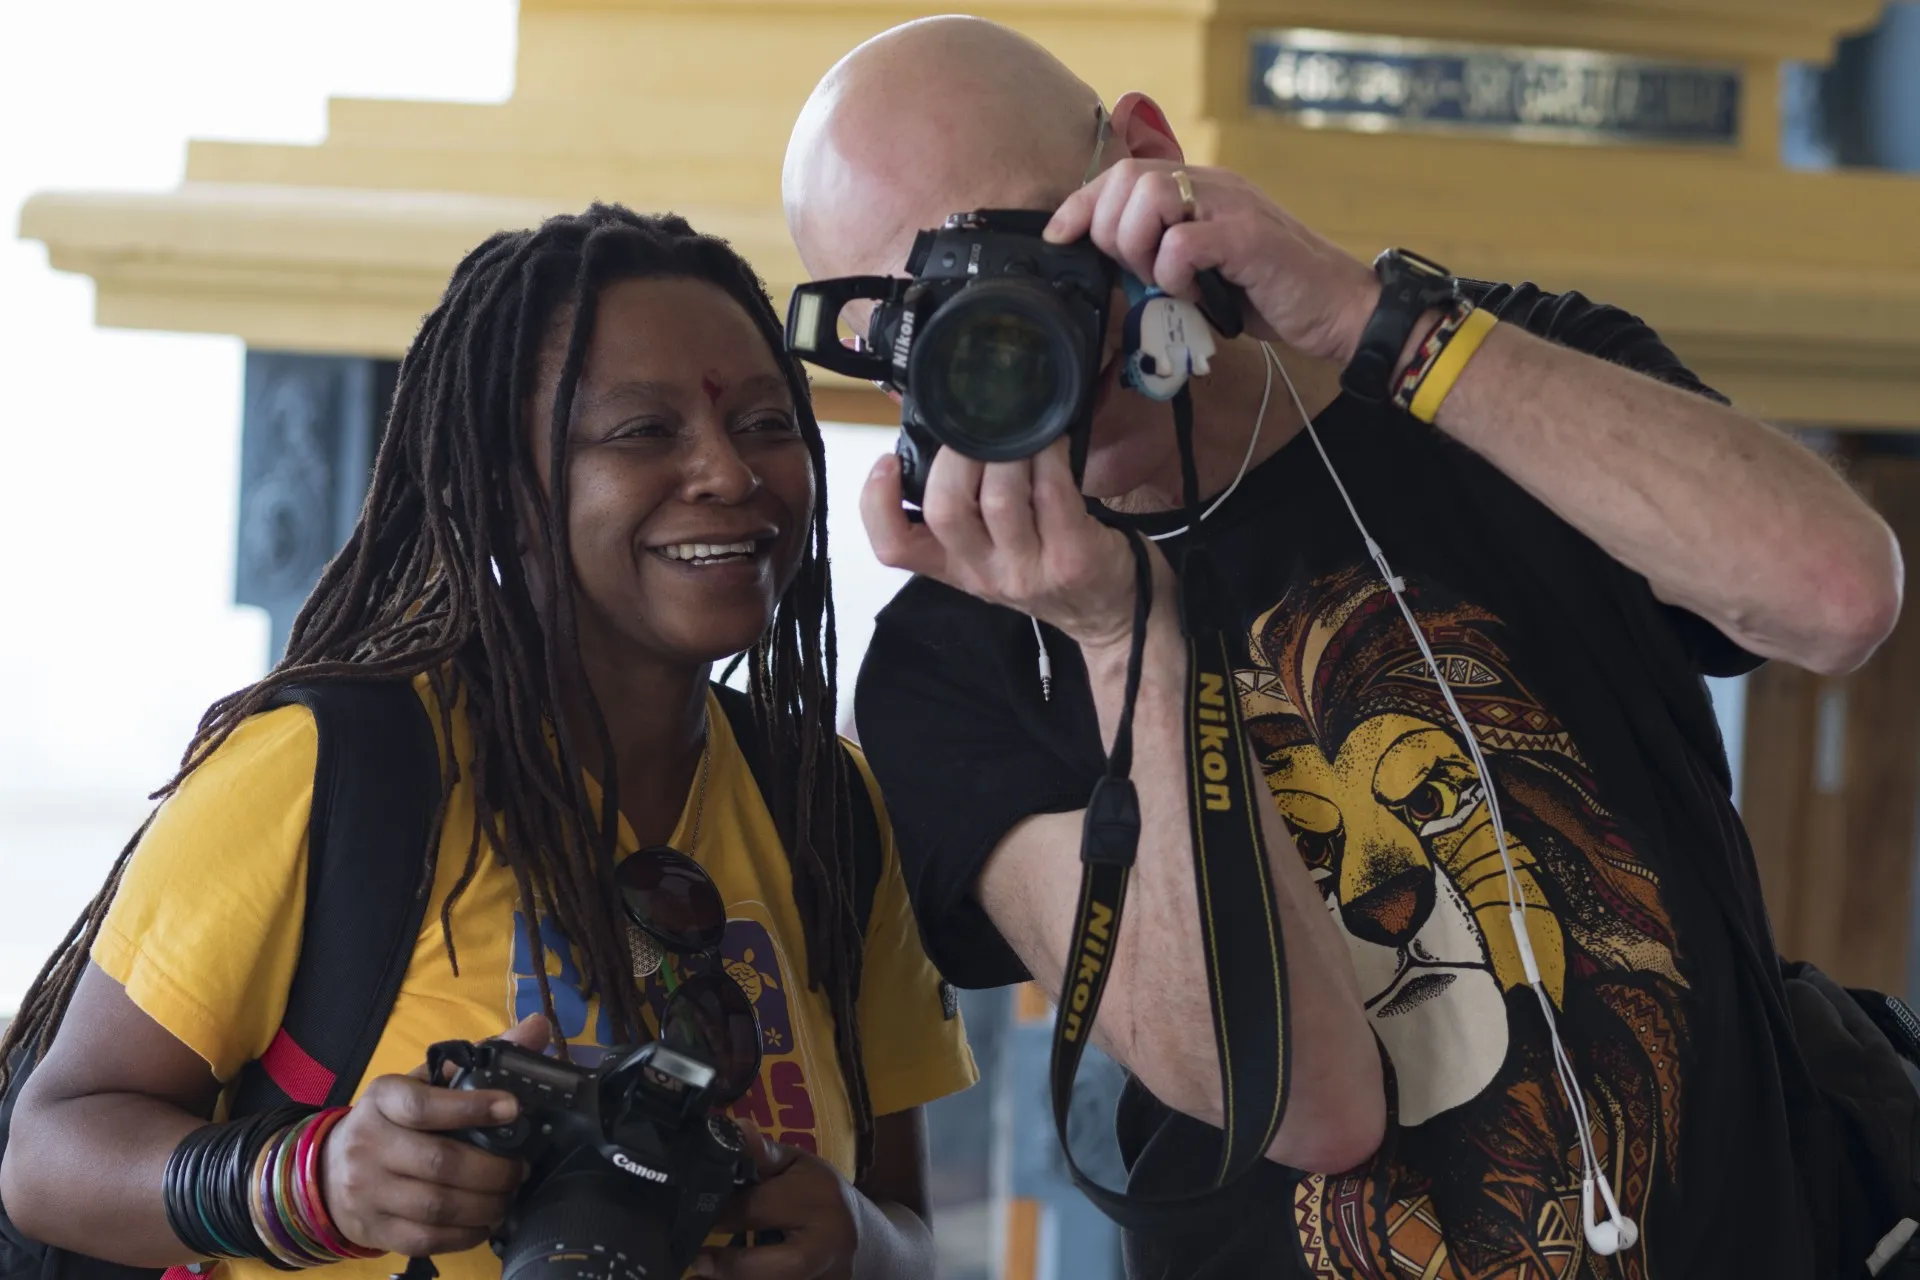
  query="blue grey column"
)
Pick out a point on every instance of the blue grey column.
point(1871, 94)
point(968, 1136)
point(1077, 1241)
point(309, 428)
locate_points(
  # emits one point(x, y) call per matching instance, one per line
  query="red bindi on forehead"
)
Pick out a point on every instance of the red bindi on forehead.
point(711, 384)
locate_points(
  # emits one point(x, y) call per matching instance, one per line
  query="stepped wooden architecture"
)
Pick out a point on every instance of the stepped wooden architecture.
point(1798, 293)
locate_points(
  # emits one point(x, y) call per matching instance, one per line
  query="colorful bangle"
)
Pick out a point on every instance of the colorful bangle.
point(315, 1202)
point(303, 1190)
point(251, 1189)
point(278, 1256)
point(209, 1186)
point(304, 1251)
point(1434, 385)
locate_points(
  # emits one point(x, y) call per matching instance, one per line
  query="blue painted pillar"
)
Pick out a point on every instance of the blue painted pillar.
point(309, 429)
point(1077, 1241)
point(1871, 95)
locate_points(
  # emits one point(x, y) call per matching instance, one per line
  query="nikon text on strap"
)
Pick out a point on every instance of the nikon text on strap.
point(1239, 914)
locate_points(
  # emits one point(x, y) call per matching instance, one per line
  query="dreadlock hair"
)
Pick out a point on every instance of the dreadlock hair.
point(431, 581)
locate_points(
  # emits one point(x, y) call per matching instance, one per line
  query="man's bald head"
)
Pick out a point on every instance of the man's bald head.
point(924, 120)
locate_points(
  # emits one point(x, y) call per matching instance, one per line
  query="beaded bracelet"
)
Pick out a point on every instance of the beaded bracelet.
point(1429, 351)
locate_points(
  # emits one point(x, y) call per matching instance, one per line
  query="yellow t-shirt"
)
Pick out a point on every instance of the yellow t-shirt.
point(205, 933)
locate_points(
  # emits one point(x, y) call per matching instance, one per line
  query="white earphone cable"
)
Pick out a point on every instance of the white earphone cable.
point(1246, 461)
point(1516, 904)
point(1624, 1233)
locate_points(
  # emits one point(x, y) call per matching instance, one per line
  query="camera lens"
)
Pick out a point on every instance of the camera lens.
point(587, 1226)
point(997, 372)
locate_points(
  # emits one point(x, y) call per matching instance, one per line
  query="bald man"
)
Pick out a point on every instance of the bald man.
point(1583, 530)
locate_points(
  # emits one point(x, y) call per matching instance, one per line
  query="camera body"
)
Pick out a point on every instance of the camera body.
point(627, 1168)
point(993, 343)
point(994, 339)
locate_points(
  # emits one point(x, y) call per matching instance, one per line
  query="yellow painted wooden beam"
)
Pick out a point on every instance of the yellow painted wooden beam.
point(1798, 294)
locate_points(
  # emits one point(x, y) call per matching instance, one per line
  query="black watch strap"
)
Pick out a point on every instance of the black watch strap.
point(1410, 286)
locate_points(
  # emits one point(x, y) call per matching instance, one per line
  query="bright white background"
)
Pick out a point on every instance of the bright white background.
point(119, 451)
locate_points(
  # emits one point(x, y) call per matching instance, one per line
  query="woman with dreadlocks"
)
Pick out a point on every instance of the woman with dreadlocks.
point(601, 474)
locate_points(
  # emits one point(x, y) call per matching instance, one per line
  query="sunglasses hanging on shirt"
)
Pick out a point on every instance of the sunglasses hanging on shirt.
point(672, 905)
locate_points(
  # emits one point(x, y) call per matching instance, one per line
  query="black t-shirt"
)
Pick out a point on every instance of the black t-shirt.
point(1585, 693)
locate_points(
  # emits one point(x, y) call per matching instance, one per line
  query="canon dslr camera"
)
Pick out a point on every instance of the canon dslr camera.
point(994, 343)
point(628, 1169)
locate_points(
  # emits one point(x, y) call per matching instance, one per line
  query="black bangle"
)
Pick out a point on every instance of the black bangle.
point(206, 1191)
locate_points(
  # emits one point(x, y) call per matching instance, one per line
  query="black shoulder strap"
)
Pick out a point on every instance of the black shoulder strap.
point(868, 858)
point(376, 786)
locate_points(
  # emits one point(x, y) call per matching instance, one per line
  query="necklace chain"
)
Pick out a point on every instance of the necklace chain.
point(700, 790)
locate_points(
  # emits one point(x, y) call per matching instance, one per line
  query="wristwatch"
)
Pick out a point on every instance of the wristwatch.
point(1410, 286)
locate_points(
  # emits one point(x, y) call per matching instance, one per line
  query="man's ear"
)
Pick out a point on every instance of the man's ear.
point(1141, 129)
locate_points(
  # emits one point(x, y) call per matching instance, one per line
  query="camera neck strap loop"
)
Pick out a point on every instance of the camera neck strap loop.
point(1239, 913)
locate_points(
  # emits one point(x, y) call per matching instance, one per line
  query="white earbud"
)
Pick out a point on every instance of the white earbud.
point(1618, 1231)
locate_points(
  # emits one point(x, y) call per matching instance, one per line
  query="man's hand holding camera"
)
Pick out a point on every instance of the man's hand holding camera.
point(1301, 289)
point(1013, 533)
point(1017, 533)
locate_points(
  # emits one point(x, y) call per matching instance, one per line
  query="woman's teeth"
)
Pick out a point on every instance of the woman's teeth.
point(706, 552)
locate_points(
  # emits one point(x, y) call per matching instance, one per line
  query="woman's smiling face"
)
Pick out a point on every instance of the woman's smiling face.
point(691, 487)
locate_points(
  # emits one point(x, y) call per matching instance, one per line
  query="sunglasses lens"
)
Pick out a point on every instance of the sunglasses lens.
point(711, 1018)
point(672, 897)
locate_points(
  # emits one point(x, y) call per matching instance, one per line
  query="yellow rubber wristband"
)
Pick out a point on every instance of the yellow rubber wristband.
point(1446, 369)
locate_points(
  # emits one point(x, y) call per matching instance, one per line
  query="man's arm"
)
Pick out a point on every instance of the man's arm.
point(1156, 1019)
point(1017, 533)
point(1724, 516)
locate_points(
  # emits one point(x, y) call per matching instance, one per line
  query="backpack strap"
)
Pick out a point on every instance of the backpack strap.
point(376, 786)
point(868, 854)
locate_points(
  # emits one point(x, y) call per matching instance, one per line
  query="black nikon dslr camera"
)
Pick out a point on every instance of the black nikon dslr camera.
point(994, 343)
point(628, 1168)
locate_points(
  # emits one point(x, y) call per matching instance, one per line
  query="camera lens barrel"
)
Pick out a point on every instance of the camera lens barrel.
point(999, 371)
point(585, 1226)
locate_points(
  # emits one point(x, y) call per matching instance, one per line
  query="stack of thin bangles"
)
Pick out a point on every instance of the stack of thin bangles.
point(251, 1189)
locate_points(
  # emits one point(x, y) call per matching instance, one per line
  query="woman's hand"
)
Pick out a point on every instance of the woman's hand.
point(1014, 534)
point(1307, 292)
point(807, 1201)
point(392, 1182)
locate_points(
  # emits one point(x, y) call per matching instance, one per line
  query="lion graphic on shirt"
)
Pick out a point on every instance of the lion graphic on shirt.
point(1480, 1174)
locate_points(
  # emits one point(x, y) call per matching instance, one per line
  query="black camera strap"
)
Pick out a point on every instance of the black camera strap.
point(1239, 914)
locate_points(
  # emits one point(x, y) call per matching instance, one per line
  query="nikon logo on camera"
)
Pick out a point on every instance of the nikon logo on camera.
point(1094, 944)
point(1213, 742)
point(624, 1162)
